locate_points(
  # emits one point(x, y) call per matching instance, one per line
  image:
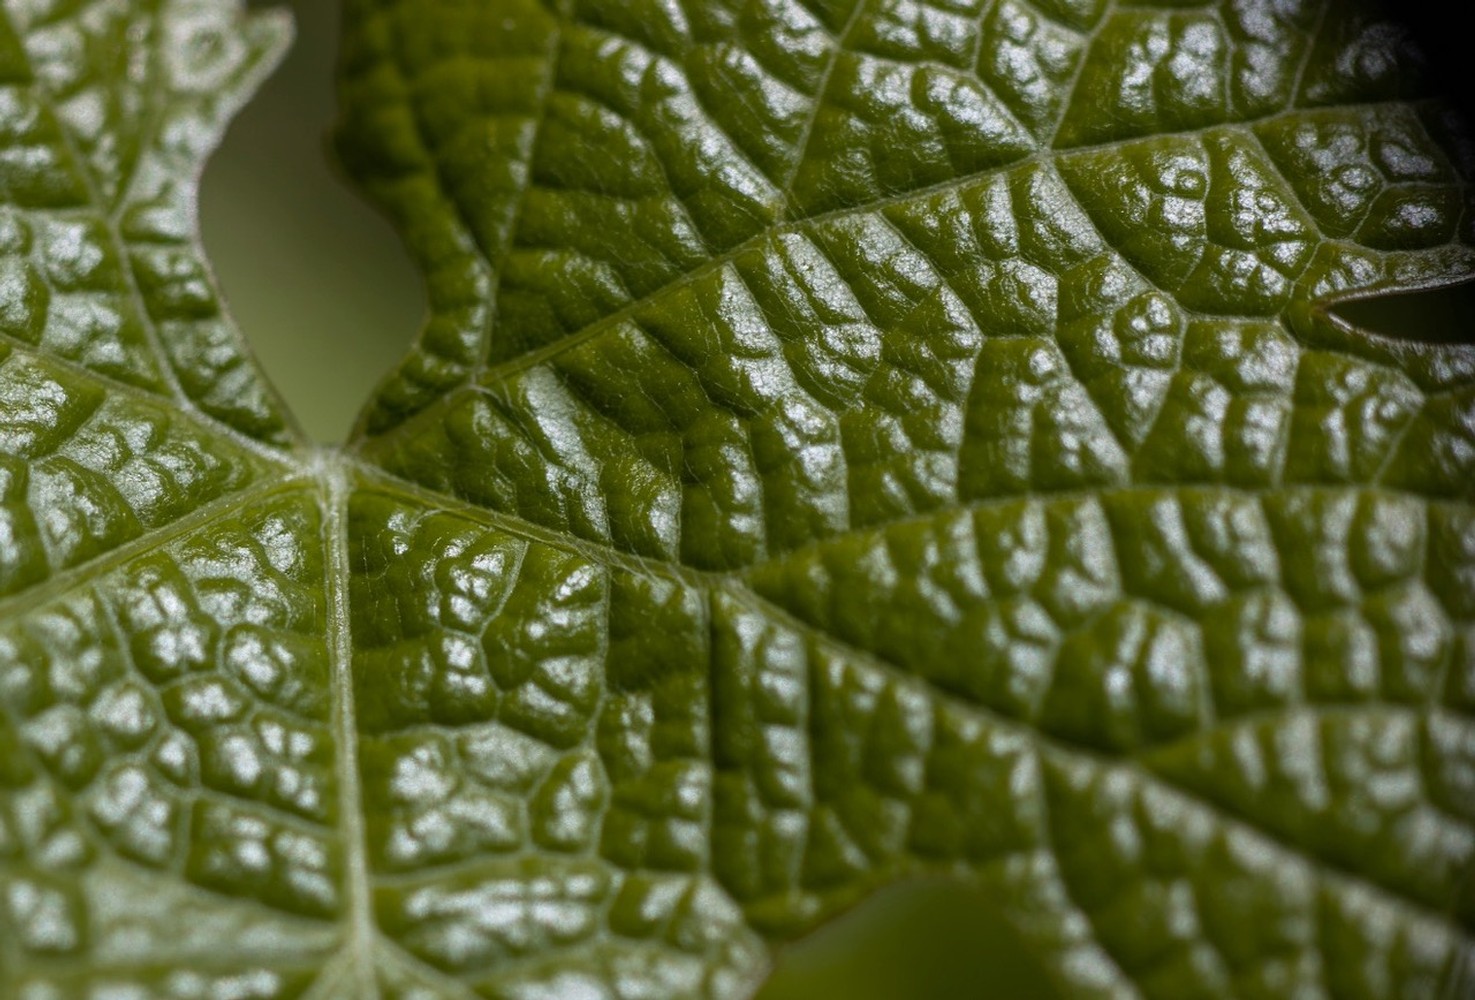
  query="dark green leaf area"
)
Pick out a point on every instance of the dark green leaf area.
point(851, 442)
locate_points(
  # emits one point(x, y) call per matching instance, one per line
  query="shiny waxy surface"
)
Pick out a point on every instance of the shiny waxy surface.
point(850, 442)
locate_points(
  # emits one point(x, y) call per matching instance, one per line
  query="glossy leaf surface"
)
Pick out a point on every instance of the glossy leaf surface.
point(850, 442)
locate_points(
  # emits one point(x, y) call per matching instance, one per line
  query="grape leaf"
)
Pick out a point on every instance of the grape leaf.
point(851, 441)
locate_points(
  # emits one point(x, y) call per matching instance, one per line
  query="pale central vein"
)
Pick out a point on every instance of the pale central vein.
point(331, 473)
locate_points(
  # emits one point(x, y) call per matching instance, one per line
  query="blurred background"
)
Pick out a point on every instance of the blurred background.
point(329, 301)
point(314, 276)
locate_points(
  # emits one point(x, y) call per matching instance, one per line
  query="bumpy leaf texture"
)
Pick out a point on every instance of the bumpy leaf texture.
point(853, 440)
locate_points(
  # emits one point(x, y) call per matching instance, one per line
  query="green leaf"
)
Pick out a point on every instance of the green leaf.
point(851, 442)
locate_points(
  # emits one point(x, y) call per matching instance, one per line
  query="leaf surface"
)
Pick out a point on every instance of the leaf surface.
point(850, 442)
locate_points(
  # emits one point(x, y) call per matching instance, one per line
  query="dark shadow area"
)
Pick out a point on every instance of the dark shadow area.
point(1444, 315)
point(1442, 33)
point(923, 941)
point(317, 280)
